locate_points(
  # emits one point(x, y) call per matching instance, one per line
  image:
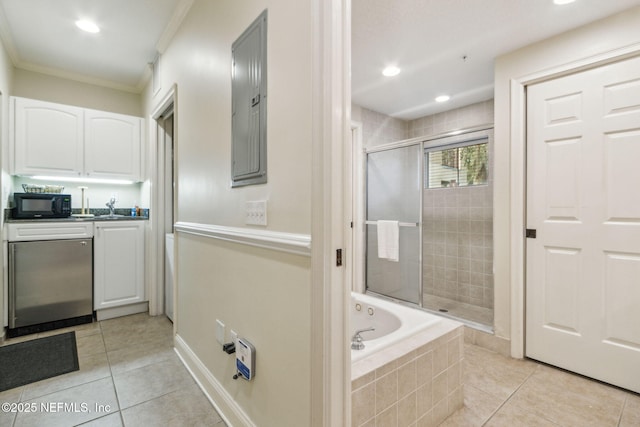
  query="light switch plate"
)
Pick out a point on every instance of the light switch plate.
point(219, 332)
point(256, 212)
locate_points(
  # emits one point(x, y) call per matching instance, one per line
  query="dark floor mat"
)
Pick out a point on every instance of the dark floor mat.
point(39, 359)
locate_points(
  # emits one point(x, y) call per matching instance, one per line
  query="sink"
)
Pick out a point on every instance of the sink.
point(111, 216)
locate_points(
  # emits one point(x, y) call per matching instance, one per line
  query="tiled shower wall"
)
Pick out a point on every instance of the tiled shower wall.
point(457, 248)
point(459, 118)
point(457, 222)
point(378, 129)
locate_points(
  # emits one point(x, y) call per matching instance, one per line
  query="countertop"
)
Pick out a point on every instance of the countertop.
point(80, 219)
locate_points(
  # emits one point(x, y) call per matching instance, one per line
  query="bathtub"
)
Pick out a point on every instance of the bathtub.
point(410, 370)
point(392, 322)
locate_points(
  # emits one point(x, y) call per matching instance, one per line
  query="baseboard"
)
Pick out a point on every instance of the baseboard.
point(229, 410)
point(125, 310)
point(487, 340)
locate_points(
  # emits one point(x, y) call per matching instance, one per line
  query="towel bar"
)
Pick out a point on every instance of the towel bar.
point(400, 224)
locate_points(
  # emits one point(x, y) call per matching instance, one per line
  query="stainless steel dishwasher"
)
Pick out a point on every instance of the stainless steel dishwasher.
point(50, 281)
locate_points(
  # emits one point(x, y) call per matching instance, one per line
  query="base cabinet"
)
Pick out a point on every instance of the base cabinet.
point(118, 257)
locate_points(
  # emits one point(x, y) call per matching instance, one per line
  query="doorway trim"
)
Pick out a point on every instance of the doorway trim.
point(517, 171)
point(354, 201)
point(331, 120)
point(155, 243)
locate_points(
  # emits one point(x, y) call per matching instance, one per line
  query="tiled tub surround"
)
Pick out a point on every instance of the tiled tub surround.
point(416, 382)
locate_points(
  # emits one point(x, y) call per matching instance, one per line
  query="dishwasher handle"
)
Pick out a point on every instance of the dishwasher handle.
point(12, 285)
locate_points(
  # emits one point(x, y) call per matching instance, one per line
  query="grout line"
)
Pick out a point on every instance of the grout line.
point(113, 382)
point(510, 396)
point(624, 406)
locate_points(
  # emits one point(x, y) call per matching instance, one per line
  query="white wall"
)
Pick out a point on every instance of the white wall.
point(262, 294)
point(579, 47)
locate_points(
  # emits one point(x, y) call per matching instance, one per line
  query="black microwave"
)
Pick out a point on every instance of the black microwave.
point(41, 205)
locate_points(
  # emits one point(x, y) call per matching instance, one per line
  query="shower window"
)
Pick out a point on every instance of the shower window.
point(457, 165)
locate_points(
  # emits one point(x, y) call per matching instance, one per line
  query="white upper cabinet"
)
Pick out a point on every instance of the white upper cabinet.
point(112, 145)
point(48, 138)
point(61, 140)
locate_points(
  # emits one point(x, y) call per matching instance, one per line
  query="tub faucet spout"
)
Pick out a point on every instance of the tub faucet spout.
point(356, 340)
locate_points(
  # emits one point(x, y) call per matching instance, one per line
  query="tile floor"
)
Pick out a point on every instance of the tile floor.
point(499, 391)
point(127, 363)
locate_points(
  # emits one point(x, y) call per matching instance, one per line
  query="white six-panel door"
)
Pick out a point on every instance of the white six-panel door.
point(583, 200)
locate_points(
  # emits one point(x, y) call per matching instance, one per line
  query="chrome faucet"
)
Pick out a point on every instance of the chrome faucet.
point(356, 339)
point(111, 205)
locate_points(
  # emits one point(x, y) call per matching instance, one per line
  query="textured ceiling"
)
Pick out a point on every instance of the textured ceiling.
point(449, 46)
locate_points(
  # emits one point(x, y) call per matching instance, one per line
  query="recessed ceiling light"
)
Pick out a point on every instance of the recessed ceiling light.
point(391, 71)
point(88, 26)
point(561, 2)
point(443, 98)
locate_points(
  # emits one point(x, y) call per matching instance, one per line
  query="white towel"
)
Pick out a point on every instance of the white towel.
point(388, 240)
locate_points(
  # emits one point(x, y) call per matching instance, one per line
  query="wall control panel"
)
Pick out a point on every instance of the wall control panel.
point(245, 359)
point(256, 212)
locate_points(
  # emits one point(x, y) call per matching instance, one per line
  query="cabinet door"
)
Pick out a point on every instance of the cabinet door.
point(112, 145)
point(47, 138)
point(118, 263)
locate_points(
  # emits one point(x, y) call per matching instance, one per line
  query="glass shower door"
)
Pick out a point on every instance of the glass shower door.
point(393, 193)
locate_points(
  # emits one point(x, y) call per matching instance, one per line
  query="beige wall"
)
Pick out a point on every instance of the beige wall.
point(198, 60)
point(262, 294)
point(29, 84)
point(578, 47)
point(6, 81)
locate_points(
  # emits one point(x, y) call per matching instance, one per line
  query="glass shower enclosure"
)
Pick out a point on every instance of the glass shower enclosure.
point(394, 194)
point(440, 191)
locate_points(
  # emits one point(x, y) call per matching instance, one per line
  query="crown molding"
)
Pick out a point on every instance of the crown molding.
point(179, 13)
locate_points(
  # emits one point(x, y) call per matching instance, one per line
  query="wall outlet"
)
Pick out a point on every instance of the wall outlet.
point(256, 212)
point(234, 337)
point(219, 332)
